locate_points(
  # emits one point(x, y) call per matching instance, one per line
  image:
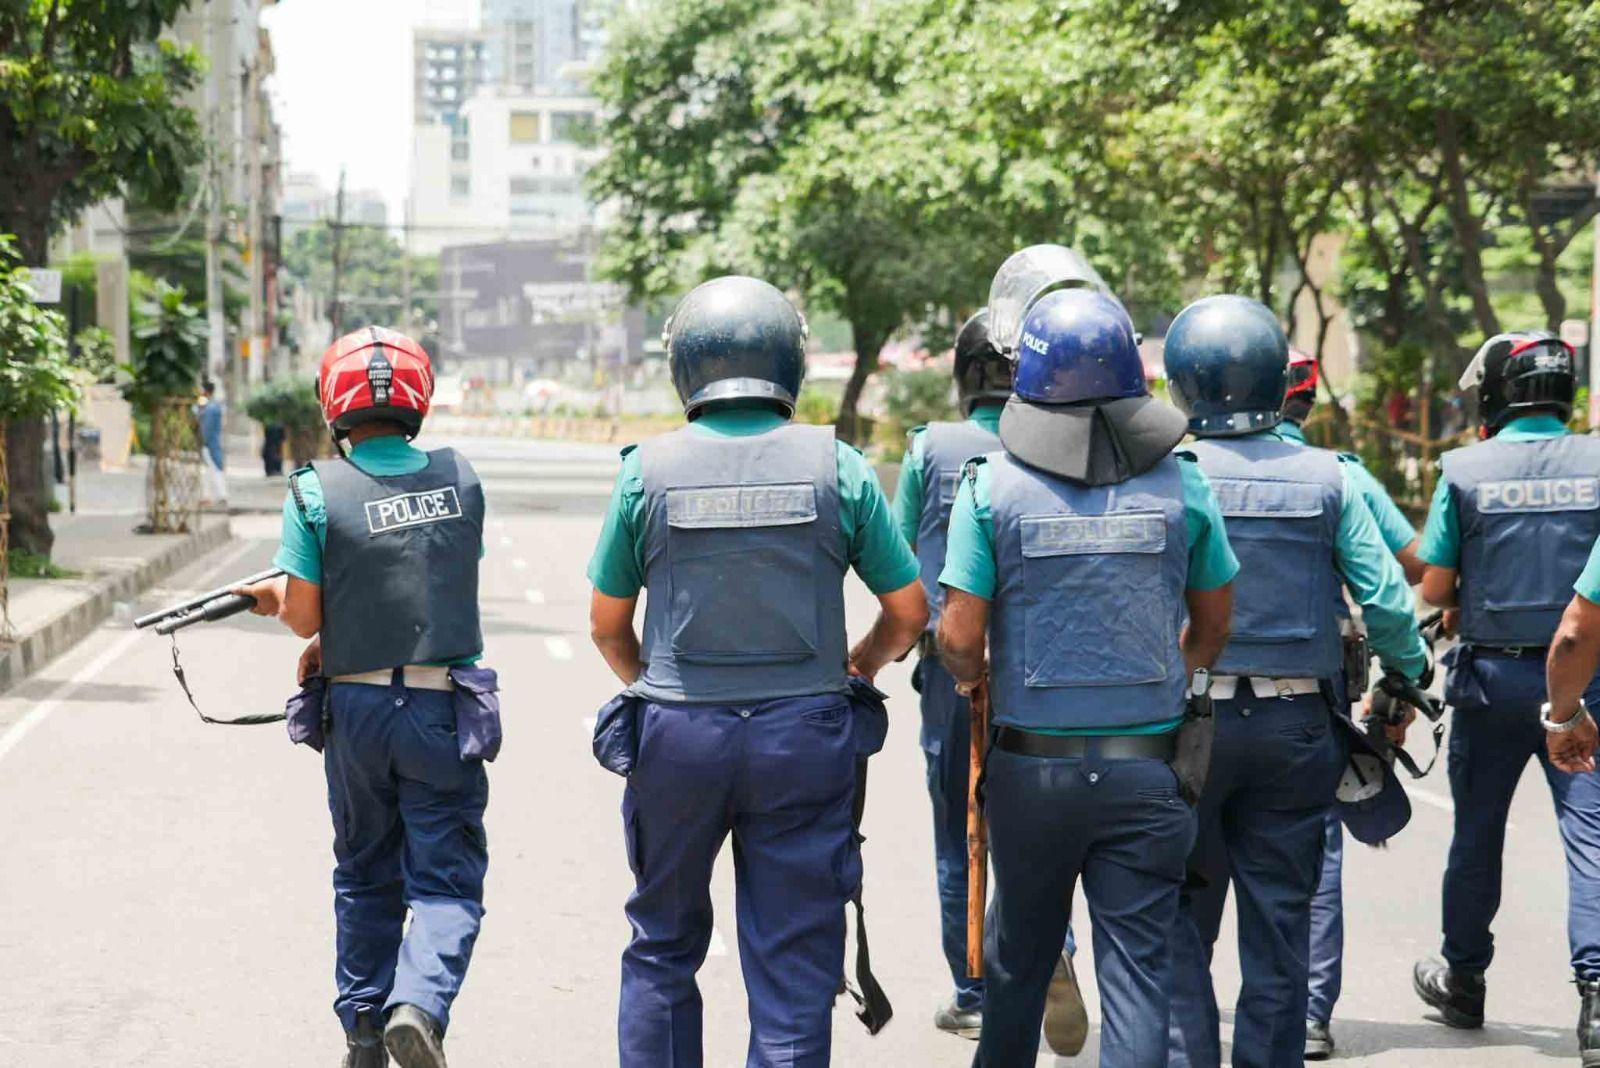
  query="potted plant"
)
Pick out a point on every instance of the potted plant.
point(291, 403)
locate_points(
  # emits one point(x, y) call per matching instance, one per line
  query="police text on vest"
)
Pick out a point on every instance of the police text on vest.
point(1539, 495)
point(413, 510)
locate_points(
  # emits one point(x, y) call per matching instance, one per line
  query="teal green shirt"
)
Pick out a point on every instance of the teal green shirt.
point(969, 557)
point(908, 491)
point(1588, 584)
point(1395, 529)
point(1441, 535)
point(872, 542)
point(305, 535)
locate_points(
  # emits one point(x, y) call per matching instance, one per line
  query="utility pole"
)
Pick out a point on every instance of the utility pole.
point(1594, 325)
point(336, 311)
point(258, 279)
point(216, 320)
point(405, 273)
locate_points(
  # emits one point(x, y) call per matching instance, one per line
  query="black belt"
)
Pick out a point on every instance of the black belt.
point(1512, 652)
point(1108, 746)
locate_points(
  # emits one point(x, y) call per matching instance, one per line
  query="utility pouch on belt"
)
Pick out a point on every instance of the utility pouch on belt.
point(477, 707)
point(1357, 665)
point(616, 733)
point(1192, 763)
point(305, 714)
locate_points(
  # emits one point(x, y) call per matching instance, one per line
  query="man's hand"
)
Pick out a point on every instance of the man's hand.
point(310, 661)
point(1450, 623)
point(269, 595)
point(967, 689)
point(1396, 732)
point(1573, 751)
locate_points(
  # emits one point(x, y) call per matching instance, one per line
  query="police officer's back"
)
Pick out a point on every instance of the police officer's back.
point(1299, 531)
point(1079, 550)
point(381, 548)
point(741, 526)
point(1510, 528)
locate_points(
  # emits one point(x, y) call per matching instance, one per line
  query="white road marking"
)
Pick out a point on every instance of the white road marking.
point(520, 564)
point(65, 692)
point(534, 596)
point(1427, 797)
point(505, 542)
point(558, 648)
point(718, 948)
point(588, 725)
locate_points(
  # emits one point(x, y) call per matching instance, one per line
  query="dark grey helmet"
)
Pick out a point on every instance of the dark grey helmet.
point(982, 371)
point(736, 337)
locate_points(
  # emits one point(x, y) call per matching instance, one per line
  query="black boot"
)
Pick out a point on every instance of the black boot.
point(363, 1047)
point(414, 1038)
point(1457, 995)
point(1589, 1022)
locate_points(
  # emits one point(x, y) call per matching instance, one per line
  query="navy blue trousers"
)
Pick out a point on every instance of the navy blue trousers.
point(407, 835)
point(1327, 924)
point(1121, 827)
point(780, 777)
point(1274, 769)
point(1494, 732)
point(947, 750)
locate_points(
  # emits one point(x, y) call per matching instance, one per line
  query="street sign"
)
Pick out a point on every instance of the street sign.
point(1575, 332)
point(45, 283)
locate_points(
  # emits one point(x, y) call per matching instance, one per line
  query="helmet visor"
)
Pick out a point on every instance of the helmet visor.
point(1024, 278)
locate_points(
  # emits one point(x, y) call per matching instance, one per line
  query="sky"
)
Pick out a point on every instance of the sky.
point(342, 89)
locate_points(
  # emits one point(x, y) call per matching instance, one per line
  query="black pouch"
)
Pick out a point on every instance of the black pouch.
point(477, 706)
point(1192, 762)
point(616, 733)
point(870, 719)
point(1357, 666)
point(305, 713)
point(1463, 690)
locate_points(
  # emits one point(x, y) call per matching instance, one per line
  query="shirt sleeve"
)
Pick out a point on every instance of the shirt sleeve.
point(1441, 535)
point(300, 548)
point(1211, 559)
point(908, 491)
point(1588, 584)
point(969, 545)
point(617, 567)
point(874, 544)
point(1374, 577)
point(1393, 526)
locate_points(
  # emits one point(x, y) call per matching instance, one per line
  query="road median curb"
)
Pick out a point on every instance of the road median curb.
point(94, 603)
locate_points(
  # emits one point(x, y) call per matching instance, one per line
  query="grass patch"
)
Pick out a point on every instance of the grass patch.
point(26, 564)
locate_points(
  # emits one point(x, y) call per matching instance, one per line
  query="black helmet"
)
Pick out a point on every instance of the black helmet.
point(1227, 366)
point(736, 337)
point(982, 373)
point(1519, 372)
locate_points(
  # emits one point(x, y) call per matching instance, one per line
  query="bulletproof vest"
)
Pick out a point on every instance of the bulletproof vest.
point(1280, 502)
point(1089, 598)
point(1529, 513)
point(946, 447)
point(744, 566)
point(400, 567)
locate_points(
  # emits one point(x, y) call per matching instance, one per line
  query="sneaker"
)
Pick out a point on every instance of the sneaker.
point(414, 1038)
point(1319, 1041)
point(955, 1020)
point(1457, 995)
point(1066, 1021)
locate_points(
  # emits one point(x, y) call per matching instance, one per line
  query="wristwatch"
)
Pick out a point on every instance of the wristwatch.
point(1562, 728)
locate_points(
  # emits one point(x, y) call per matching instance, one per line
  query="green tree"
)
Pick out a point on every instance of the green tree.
point(372, 280)
point(169, 349)
point(36, 375)
point(89, 108)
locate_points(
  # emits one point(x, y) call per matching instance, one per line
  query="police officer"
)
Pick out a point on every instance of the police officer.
point(1079, 549)
point(381, 551)
point(741, 526)
point(1299, 527)
point(1327, 906)
point(1508, 533)
point(929, 475)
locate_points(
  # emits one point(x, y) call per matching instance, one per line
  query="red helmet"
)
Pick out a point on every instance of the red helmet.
point(373, 374)
point(1302, 378)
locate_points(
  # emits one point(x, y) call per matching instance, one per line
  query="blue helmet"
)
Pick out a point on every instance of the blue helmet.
point(1228, 366)
point(736, 337)
point(1078, 345)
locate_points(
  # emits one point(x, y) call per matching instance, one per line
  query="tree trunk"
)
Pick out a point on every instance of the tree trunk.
point(1549, 290)
point(30, 494)
point(868, 344)
point(1469, 231)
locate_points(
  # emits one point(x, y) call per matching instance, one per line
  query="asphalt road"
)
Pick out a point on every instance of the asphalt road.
point(164, 885)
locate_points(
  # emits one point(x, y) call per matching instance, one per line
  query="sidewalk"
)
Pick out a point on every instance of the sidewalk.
point(114, 565)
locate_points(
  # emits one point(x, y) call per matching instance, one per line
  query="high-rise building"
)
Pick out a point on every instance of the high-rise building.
point(541, 44)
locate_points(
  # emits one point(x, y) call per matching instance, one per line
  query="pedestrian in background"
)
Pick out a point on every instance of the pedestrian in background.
point(215, 490)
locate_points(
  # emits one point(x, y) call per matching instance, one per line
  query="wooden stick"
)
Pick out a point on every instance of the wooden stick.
point(977, 835)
